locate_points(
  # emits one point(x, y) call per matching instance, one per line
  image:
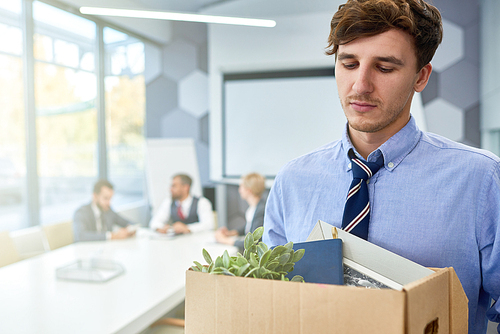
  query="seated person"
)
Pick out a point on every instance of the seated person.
point(95, 221)
point(251, 188)
point(182, 213)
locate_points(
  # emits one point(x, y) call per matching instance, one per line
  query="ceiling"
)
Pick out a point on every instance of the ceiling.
point(160, 31)
point(156, 30)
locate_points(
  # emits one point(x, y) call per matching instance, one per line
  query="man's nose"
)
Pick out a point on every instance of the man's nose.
point(363, 84)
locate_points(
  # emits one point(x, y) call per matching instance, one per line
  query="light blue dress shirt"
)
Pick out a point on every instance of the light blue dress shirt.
point(435, 202)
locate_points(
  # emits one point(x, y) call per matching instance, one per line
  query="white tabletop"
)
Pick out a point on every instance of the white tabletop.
point(33, 300)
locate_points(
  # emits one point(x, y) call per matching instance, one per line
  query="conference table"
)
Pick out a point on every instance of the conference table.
point(34, 300)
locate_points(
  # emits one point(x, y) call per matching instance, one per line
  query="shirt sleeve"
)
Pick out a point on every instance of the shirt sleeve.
point(488, 231)
point(162, 215)
point(274, 225)
point(206, 216)
point(119, 220)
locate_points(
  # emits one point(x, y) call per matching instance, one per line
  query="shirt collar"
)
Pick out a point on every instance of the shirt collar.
point(185, 203)
point(394, 150)
point(95, 210)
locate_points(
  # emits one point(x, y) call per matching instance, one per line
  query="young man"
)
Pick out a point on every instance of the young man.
point(183, 213)
point(251, 189)
point(95, 221)
point(433, 201)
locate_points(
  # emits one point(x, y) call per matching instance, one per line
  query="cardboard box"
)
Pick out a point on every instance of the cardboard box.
point(224, 304)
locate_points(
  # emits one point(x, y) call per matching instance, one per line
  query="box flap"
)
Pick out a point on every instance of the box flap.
point(427, 300)
point(459, 306)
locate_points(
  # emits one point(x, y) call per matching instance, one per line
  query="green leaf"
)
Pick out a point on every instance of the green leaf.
point(240, 261)
point(263, 246)
point(207, 256)
point(226, 261)
point(263, 271)
point(260, 251)
point(288, 267)
point(257, 234)
point(251, 272)
point(277, 251)
point(248, 240)
point(204, 269)
point(198, 265)
point(218, 262)
point(253, 260)
point(297, 278)
point(272, 265)
point(265, 258)
point(284, 258)
point(298, 255)
point(211, 267)
point(289, 246)
point(227, 272)
point(242, 269)
point(195, 268)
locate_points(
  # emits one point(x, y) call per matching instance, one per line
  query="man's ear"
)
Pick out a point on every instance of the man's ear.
point(423, 77)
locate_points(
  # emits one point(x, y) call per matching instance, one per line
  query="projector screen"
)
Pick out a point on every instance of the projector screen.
point(270, 119)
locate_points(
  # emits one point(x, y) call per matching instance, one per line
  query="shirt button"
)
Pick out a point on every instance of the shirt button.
point(390, 165)
point(349, 166)
point(368, 181)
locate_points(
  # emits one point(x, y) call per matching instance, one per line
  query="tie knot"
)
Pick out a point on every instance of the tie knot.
point(364, 170)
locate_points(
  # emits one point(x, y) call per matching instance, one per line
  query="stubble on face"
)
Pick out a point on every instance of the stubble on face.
point(369, 125)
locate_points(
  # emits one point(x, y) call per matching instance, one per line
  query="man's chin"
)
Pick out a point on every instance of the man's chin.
point(365, 127)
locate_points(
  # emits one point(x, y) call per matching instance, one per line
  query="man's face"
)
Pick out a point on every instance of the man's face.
point(103, 198)
point(178, 189)
point(376, 78)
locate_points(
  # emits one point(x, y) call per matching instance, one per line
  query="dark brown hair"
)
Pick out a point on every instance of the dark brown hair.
point(185, 179)
point(100, 184)
point(365, 18)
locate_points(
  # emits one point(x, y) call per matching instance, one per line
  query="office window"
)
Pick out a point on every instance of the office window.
point(66, 114)
point(12, 127)
point(125, 99)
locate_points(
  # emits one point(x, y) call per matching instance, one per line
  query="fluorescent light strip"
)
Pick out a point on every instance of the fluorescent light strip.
point(146, 14)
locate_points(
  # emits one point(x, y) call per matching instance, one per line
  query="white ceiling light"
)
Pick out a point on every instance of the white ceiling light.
point(147, 14)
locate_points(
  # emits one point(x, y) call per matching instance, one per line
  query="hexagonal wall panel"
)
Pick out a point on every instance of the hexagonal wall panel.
point(430, 91)
point(179, 59)
point(472, 126)
point(153, 61)
point(444, 119)
point(161, 97)
point(459, 85)
point(204, 128)
point(451, 49)
point(179, 124)
point(193, 93)
point(472, 43)
point(460, 12)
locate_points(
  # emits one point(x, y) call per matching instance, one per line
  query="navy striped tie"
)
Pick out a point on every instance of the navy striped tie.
point(357, 206)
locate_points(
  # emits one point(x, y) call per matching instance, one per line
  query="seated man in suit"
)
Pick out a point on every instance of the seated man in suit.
point(95, 221)
point(251, 188)
point(182, 213)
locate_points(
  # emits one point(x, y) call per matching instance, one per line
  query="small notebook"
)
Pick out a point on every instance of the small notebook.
point(321, 263)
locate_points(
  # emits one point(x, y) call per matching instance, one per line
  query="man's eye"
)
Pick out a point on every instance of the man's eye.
point(349, 66)
point(385, 69)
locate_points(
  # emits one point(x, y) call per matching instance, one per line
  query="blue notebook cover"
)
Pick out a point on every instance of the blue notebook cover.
point(321, 263)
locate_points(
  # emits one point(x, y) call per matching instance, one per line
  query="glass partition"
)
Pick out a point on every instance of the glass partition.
point(66, 114)
point(125, 97)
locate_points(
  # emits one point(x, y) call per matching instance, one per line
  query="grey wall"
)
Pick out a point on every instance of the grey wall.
point(177, 90)
point(451, 99)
